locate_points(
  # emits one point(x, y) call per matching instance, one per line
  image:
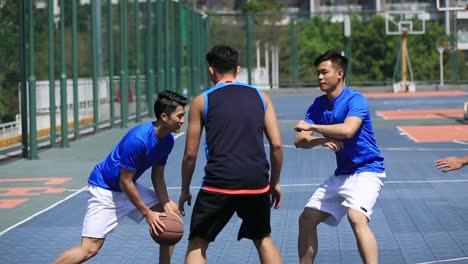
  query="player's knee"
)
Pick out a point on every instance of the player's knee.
point(90, 251)
point(357, 218)
point(309, 217)
point(90, 247)
point(198, 243)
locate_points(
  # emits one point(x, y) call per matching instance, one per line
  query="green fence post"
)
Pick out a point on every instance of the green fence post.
point(137, 57)
point(249, 48)
point(160, 45)
point(149, 71)
point(206, 44)
point(63, 81)
point(76, 118)
point(189, 53)
point(110, 35)
point(24, 88)
point(32, 87)
point(293, 48)
point(177, 73)
point(94, 64)
point(123, 64)
point(52, 104)
point(453, 50)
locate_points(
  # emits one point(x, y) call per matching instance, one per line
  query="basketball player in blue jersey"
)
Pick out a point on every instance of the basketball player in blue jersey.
point(235, 116)
point(342, 118)
point(113, 190)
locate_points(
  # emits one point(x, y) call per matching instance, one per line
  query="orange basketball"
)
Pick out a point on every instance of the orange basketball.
point(172, 233)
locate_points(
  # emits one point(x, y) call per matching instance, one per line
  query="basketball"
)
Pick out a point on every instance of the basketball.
point(172, 233)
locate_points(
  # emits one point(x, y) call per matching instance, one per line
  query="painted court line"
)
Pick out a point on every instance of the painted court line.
point(415, 94)
point(443, 261)
point(59, 202)
point(435, 133)
point(420, 113)
point(42, 211)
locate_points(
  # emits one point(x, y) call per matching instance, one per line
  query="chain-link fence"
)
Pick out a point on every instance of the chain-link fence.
point(69, 68)
point(375, 56)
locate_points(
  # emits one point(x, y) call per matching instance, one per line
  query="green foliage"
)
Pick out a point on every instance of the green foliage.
point(9, 60)
point(262, 6)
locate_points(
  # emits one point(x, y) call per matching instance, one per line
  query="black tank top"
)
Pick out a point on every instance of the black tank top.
point(234, 120)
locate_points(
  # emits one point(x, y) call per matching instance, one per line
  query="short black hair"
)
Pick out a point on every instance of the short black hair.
point(167, 103)
point(335, 57)
point(223, 58)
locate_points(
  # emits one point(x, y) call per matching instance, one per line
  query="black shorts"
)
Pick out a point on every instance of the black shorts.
point(212, 211)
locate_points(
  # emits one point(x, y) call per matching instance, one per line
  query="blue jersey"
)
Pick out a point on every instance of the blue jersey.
point(139, 150)
point(360, 153)
point(234, 120)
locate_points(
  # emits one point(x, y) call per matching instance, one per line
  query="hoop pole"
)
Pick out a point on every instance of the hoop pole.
point(404, 70)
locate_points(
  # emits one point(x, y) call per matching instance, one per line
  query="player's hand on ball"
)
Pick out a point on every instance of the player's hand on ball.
point(155, 223)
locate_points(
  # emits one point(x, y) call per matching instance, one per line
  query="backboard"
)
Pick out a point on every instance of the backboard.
point(452, 5)
point(410, 22)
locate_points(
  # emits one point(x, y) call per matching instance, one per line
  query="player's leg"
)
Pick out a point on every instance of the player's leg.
point(88, 248)
point(211, 212)
point(196, 251)
point(367, 244)
point(360, 207)
point(267, 251)
point(323, 206)
point(101, 217)
point(308, 241)
point(255, 211)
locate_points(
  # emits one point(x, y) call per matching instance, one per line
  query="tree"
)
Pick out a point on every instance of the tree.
point(10, 60)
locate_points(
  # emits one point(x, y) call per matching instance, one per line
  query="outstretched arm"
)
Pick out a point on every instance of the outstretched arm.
point(451, 163)
point(194, 132)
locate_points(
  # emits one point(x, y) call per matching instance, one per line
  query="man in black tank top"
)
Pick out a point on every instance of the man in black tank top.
point(236, 117)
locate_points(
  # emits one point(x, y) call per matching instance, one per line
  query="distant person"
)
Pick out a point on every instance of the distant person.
point(235, 116)
point(113, 190)
point(342, 117)
point(451, 163)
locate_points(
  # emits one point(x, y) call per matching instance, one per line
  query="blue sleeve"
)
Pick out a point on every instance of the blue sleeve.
point(357, 106)
point(132, 154)
point(313, 113)
point(309, 117)
point(168, 145)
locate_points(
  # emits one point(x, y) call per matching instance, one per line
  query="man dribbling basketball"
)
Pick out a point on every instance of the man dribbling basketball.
point(113, 191)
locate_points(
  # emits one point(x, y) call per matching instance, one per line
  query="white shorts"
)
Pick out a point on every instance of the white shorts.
point(106, 208)
point(338, 193)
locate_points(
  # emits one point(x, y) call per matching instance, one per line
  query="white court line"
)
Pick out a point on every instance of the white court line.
point(316, 184)
point(385, 182)
point(444, 260)
point(393, 149)
point(403, 133)
point(425, 149)
point(42, 211)
point(460, 142)
point(57, 203)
